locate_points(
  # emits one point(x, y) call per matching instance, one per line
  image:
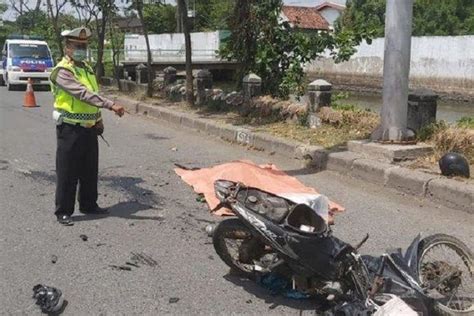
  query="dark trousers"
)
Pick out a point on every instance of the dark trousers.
point(77, 161)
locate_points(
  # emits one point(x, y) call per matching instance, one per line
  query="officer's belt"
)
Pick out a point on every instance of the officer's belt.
point(72, 118)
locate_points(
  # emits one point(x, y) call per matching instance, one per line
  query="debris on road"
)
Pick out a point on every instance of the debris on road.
point(174, 149)
point(143, 259)
point(395, 306)
point(280, 286)
point(173, 300)
point(54, 259)
point(201, 198)
point(132, 264)
point(49, 299)
point(84, 237)
point(115, 267)
point(210, 230)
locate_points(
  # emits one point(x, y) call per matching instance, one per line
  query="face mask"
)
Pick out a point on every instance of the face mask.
point(79, 54)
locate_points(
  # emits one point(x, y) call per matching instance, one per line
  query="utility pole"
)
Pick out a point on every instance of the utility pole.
point(396, 69)
point(183, 10)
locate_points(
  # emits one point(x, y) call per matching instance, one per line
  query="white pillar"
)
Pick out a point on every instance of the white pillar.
point(398, 26)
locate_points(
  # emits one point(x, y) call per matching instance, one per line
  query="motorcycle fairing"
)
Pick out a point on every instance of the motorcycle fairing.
point(318, 254)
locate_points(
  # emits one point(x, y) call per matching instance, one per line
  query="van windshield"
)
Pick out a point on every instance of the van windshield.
point(29, 50)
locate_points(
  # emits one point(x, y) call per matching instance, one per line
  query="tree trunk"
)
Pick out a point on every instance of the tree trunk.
point(57, 32)
point(150, 70)
point(115, 54)
point(187, 39)
point(101, 27)
point(38, 5)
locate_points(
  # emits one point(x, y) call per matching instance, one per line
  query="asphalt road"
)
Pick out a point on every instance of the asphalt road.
point(154, 212)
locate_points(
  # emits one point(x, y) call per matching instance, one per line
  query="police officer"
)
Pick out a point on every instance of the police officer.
point(77, 106)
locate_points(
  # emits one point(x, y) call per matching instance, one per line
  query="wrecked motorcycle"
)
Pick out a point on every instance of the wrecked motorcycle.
point(275, 235)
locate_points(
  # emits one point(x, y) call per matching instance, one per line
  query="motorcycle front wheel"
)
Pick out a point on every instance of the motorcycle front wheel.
point(446, 271)
point(236, 246)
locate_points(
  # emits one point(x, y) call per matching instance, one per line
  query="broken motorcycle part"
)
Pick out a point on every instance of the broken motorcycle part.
point(49, 299)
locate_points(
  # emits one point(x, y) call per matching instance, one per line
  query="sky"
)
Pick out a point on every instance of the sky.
point(10, 15)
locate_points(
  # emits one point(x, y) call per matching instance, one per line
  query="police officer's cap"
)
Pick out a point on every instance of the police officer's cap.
point(80, 34)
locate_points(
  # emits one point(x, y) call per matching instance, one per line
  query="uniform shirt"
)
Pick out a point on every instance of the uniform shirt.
point(66, 81)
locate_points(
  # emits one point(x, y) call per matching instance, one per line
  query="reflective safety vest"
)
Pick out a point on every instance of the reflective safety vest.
point(71, 109)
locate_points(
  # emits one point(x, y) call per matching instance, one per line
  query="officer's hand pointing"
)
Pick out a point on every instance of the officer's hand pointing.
point(118, 109)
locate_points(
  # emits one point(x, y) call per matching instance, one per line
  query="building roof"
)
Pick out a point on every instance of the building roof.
point(332, 5)
point(305, 18)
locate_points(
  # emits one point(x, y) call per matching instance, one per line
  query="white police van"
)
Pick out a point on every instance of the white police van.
point(25, 57)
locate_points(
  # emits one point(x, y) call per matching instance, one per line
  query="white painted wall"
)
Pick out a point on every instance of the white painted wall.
point(171, 46)
point(435, 60)
point(330, 14)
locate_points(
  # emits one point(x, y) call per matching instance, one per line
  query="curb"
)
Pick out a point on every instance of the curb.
point(448, 192)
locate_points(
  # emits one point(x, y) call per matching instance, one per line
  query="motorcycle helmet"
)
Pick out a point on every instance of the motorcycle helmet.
point(454, 164)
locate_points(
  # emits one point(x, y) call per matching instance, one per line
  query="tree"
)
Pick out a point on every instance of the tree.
point(447, 17)
point(443, 17)
point(116, 42)
point(6, 26)
point(100, 10)
point(138, 6)
point(22, 8)
point(268, 46)
point(3, 7)
point(159, 18)
point(54, 10)
point(187, 40)
point(213, 15)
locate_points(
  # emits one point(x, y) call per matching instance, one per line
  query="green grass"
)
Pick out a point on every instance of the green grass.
point(466, 122)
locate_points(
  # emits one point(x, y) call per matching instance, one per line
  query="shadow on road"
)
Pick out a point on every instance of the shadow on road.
point(124, 210)
point(138, 199)
point(155, 137)
point(275, 300)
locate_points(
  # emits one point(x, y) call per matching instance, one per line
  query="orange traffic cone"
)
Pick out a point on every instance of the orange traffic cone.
point(29, 101)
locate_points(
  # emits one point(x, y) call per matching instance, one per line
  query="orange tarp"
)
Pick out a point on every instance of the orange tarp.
point(264, 177)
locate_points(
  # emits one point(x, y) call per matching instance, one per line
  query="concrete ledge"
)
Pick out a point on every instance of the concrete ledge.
point(284, 147)
point(187, 121)
point(130, 105)
point(341, 161)
point(315, 157)
point(170, 116)
point(408, 181)
point(244, 136)
point(452, 193)
point(228, 132)
point(262, 142)
point(386, 152)
point(200, 124)
point(213, 128)
point(448, 192)
point(149, 110)
point(370, 170)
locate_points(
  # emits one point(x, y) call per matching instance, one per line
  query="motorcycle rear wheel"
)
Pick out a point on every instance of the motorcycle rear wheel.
point(453, 296)
point(228, 231)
